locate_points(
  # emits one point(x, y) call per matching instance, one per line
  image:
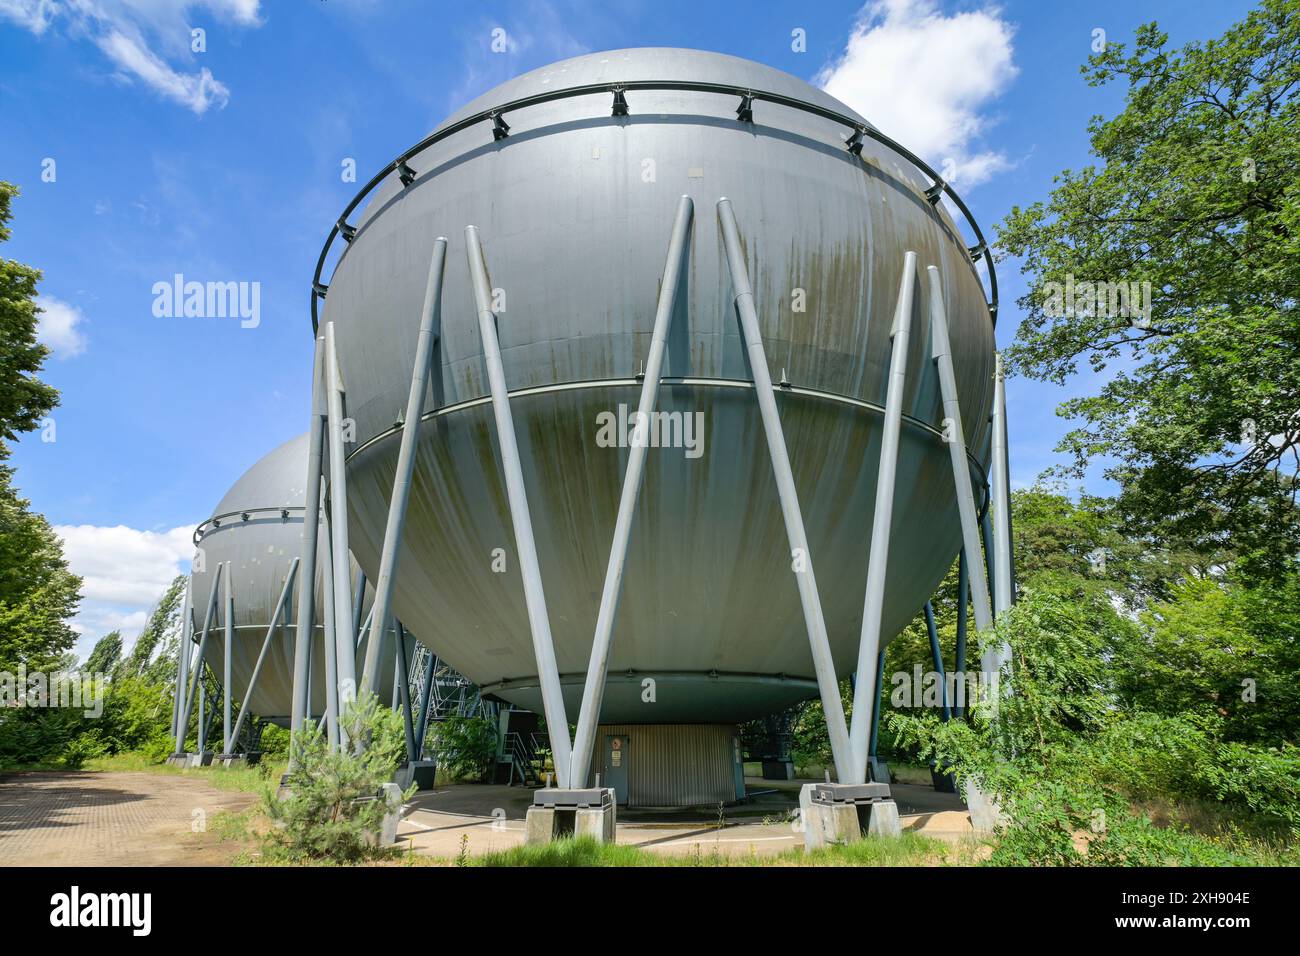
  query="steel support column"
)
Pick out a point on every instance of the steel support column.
point(226, 679)
point(277, 620)
point(594, 690)
point(430, 324)
point(1001, 502)
point(305, 628)
point(404, 686)
point(344, 639)
point(197, 678)
point(937, 654)
point(557, 723)
point(801, 557)
point(873, 603)
point(957, 449)
point(963, 612)
point(333, 706)
point(875, 712)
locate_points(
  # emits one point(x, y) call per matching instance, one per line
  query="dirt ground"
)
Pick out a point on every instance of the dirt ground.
point(85, 818)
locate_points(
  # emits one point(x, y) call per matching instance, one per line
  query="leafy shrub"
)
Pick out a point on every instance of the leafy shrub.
point(333, 808)
point(464, 746)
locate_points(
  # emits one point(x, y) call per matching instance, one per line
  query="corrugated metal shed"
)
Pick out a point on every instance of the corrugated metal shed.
point(675, 765)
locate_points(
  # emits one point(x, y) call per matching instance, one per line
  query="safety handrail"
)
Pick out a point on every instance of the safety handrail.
point(744, 114)
point(244, 514)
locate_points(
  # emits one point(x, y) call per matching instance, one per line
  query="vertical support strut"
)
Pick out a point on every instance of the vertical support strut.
point(814, 620)
point(358, 602)
point(1001, 492)
point(404, 684)
point(305, 628)
point(873, 602)
point(937, 654)
point(957, 449)
point(226, 678)
point(333, 706)
point(426, 691)
point(183, 655)
point(557, 724)
point(345, 642)
point(430, 322)
point(197, 678)
point(963, 612)
point(594, 689)
point(876, 708)
point(276, 621)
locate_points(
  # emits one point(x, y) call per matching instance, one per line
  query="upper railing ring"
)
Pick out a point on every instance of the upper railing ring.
point(744, 114)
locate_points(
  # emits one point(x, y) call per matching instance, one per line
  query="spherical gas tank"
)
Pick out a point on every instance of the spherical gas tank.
point(255, 532)
point(575, 207)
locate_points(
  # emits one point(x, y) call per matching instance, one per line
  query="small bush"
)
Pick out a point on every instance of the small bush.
point(334, 807)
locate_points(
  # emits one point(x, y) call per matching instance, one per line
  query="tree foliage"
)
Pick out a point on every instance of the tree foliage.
point(1195, 194)
point(24, 399)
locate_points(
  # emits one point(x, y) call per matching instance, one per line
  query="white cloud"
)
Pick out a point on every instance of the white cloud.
point(33, 15)
point(124, 572)
point(143, 39)
point(922, 78)
point(58, 326)
point(198, 91)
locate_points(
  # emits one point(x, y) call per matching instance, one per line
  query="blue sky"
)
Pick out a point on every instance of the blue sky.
point(225, 164)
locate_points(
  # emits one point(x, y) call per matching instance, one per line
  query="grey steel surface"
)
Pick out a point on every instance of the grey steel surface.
point(429, 321)
point(598, 665)
point(260, 553)
point(574, 233)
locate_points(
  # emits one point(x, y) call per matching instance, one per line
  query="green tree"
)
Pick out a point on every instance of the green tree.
point(106, 655)
point(154, 653)
point(38, 594)
point(24, 399)
point(1195, 194)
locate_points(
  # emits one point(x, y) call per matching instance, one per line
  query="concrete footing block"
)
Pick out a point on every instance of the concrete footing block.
point(178, 760)
point(199, 760)
point(229, 760)
point(391, 795)
point(557, 814)
point(985, 814)
point(883, 820)
point(423, 773)
point(838, 814)
point(539, 825)
point(598, 823)
point(403, 775)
